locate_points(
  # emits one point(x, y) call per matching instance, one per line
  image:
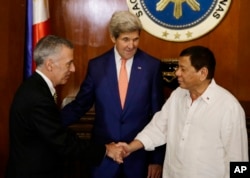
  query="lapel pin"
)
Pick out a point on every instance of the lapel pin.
point(139, 67)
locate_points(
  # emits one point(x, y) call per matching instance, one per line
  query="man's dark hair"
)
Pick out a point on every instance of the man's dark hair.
point(201, 56)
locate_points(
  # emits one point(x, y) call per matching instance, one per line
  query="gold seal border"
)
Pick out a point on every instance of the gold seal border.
point(182, 35)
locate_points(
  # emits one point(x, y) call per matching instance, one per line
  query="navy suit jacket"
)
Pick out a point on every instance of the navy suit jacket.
point(100, 88)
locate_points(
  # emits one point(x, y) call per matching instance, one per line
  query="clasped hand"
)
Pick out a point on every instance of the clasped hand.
point(117, 151)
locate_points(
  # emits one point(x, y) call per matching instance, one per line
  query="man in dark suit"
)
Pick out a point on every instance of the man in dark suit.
point(144, 96)
point(39, 144)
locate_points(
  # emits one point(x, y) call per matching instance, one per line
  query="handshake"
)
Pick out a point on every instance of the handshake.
point(118, 151)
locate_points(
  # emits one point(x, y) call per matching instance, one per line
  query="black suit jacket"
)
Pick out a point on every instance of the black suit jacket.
point(38, 142)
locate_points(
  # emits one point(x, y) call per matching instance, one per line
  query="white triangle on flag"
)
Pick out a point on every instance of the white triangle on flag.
point(40, 11)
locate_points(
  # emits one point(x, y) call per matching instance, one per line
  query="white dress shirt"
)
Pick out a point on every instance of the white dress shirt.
point(118, 63)
point(202, 137)
point(48, 81)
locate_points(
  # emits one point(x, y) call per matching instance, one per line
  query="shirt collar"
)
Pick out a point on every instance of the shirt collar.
point(48, 81)
point(208, 95)
point(118, 57)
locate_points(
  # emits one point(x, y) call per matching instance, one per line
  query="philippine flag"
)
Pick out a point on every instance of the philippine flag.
point(37, 26)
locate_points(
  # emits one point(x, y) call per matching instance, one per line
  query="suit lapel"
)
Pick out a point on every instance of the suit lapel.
point(136, 75)
point(112, 78)
point(135, 78)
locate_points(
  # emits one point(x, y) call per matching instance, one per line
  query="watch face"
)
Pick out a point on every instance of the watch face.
point(179, 20)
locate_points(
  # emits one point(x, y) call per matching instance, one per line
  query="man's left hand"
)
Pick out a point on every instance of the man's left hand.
point(154, 171)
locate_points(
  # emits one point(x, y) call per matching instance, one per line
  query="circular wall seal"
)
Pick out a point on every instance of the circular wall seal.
point(179, 20)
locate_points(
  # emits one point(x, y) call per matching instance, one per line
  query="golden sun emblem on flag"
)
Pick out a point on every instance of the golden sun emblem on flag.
point(162, 4)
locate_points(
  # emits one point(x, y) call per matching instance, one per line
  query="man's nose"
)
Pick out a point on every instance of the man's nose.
point(72, 68)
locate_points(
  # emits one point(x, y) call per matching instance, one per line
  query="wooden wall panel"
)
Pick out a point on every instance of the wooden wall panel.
point(12, 20)
point(3, 77)
point(242, 72)
point(243, 56)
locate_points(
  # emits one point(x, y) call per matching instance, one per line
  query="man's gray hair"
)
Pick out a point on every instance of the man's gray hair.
point(48, 46)
point(122, 22)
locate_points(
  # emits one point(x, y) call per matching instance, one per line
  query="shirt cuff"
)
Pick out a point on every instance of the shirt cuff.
point(146, 141)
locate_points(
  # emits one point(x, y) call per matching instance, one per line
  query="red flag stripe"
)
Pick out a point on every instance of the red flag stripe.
point(40, 30)
point(41, 22)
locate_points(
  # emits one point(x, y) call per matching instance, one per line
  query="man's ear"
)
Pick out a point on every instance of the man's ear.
point(48, 63)
point(112, 38)
point(204, 73)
